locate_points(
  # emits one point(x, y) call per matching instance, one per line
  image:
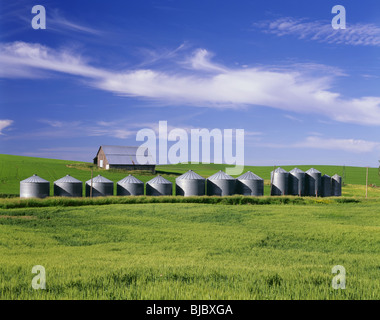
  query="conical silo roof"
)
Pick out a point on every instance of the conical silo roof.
point(249, 176)
point(280, 170)
point(159, 180)
point(190, 175)
point(99, 179)
point(312, 170)
point(130, 179)
point(296, 170)
point(68, 179)
point(220, 175)
point(34, 179)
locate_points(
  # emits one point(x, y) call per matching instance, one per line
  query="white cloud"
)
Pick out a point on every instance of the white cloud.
point(4, 124)
point(201, 61)
point(355, 34)
point(296, 90)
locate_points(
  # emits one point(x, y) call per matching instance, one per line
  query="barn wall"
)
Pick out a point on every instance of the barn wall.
point(102, 156)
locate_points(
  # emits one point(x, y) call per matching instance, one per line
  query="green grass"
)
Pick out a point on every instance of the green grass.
point(191, 251)
point(13, 169)
point(226, 200)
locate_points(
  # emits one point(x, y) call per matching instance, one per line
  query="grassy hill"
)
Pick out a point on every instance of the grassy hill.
point(13, 169)
point(186, 250)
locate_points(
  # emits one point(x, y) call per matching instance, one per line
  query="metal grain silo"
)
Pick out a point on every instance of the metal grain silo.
point(190, 184)
point(159, 186)
point(130, 186)
point(220, 184)
point(101, 187)
point(34, 187)
point(313, 182)
point(280, 182)
point(336, 185)
point(326, 186)
point(297, 185)
point(68, 187)
point(250, 184)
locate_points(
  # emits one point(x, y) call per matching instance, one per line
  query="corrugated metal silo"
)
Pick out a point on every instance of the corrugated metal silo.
point(297, 186)
point(280, 182)
point(68, 187)
point(326, 186)
point(130, 186)
point(250, 184)
point(101, 187)
point(313, 182)
point(159, 186)
point(34, 187)
point(220, 184)
point(190, 184)
point(336, 185)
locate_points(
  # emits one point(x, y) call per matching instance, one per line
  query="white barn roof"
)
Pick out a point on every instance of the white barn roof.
point(123, 155)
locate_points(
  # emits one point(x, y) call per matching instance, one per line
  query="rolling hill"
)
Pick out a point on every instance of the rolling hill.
point(13, 169)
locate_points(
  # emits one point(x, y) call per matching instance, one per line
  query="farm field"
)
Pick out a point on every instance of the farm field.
point(191, 251)
point(13, 169)
point(187, 248)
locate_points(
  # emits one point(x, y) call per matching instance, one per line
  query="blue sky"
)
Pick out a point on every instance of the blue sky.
point(303, 92)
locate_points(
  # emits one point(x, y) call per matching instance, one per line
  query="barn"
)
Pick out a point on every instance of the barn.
point(122, 157)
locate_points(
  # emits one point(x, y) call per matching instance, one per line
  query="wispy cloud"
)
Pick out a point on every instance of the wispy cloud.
point(59, 23)
point(206, 84)
point(350, 145)
point(4, 124)
point(288, 116)
point(318, 142)
point(358, 34)
point(55, 129)
point(158, 55)
point(20, 14)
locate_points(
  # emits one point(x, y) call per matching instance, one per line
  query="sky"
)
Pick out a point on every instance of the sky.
point(304, 92)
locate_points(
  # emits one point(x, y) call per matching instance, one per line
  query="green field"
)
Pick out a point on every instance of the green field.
point(191, 251)
point(193, 248)
point(13, 169)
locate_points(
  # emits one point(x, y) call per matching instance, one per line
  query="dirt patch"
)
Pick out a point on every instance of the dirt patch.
point(19, 217)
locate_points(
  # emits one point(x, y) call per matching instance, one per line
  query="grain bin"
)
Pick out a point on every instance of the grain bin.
point(250, 184)
point(130, 186)
point(220, 184)
point(101, 187)
point(190, 184)
point(280, 181)
point(159, 186)
point(34, 187)
point(313, 182)
point(336, 185)
point(326, 186)
point(68, 187)
point(297, 186)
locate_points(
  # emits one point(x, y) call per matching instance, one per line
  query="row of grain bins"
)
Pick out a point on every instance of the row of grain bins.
point(189, 184)
point(309, 183)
